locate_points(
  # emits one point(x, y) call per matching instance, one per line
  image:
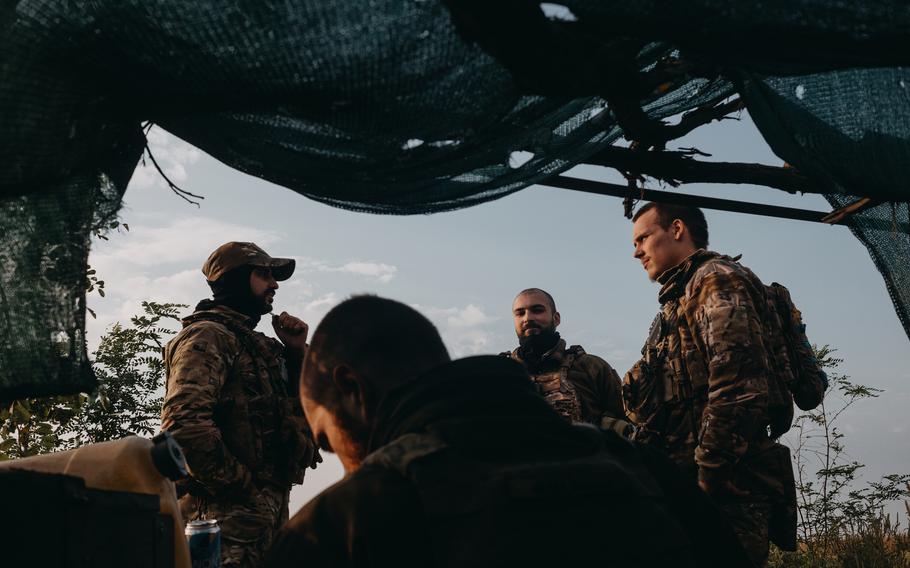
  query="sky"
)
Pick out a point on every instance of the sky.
point(462, 269)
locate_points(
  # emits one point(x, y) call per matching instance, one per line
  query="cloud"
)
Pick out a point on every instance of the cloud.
point(467, 316)
point(160, 260)
point(125, 296)
point(378, 271)
point(611, 352)
point(465, 330)
point(186, 240)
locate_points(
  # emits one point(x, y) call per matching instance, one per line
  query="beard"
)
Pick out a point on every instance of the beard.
point(262, 303)
point(532, 348)
point(545, 331)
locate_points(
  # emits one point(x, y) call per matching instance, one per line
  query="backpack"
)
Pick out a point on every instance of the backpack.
point(798, 377)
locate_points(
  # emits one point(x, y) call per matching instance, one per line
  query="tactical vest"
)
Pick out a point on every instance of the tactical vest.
point(481, 513)
point(556, 388)
point(254, 409)
point(669, 385)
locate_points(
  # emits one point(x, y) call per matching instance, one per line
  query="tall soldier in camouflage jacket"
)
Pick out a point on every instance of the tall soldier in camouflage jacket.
point(701, 389)
point(231, 406)
point(581, 387)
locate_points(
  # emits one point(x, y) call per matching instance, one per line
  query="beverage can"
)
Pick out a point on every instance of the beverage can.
point(204, 540)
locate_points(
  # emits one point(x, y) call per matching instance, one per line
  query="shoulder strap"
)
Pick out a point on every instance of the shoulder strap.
point(404, 450)
point(576, 350)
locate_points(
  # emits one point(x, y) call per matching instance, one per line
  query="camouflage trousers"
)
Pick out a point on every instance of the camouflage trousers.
point(749, 520)
point(247, 527)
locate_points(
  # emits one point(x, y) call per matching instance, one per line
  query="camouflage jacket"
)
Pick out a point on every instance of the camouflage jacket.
point(700, 390)
point(229, 404)
point(581, 387)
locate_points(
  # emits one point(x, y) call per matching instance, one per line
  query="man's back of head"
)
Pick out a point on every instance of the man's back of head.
point(363, 348)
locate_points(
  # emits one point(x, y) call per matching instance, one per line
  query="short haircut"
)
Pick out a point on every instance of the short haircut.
point(388, 342)
point(692, 218)
point(539, 291)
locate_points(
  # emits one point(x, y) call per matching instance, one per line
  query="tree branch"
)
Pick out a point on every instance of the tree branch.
point(679, 167)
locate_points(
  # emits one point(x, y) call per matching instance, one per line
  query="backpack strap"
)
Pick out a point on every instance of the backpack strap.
point(572, 353)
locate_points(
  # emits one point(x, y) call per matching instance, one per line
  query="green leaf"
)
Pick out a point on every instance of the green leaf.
point(21, 413)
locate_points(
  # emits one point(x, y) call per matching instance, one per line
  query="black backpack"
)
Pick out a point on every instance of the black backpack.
point(798, 377)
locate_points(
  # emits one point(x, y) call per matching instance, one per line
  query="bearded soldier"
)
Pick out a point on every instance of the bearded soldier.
point(581, 387)
point(703, 388)
point(231, 402)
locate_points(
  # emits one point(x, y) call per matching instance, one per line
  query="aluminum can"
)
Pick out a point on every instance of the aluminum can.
point(204, 540)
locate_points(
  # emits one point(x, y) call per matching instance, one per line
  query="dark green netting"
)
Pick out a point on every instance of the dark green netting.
point(383, 110)
point(851, 130)
point(776, 37)
point(42, 284)
point(377, 106)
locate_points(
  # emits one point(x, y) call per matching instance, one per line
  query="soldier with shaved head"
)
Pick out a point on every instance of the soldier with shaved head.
point(580, 386)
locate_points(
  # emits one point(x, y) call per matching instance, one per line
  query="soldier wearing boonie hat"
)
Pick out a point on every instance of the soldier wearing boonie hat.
point(231, 402)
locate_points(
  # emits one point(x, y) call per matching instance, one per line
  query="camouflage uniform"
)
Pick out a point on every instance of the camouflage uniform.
point(229, 404)
point(701, 391)
point(581, 387)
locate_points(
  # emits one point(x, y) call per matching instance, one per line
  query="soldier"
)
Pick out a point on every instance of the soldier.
point(701, 389)
point(229, 403)
point(461, 463)
point(581, 387)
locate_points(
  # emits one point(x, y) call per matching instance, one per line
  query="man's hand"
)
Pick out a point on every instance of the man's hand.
point(292, 331)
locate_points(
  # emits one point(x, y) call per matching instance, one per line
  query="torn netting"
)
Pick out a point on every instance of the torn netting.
point(378, 107)
point(850, 130)
point(381, 108)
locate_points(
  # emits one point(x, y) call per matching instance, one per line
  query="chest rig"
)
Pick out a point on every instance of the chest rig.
point(254, 408)
point(666, 390)
point(555, 387)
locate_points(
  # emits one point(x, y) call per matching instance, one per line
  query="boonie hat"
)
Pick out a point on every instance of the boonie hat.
point(230, 255)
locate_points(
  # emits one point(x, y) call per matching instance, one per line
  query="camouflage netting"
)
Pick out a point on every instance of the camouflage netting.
point(851, 130)
point(378, 106)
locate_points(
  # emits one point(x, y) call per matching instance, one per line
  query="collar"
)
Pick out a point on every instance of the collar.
point(471, 390)
point(556, 353)
point(673, 281)
point(208, 310)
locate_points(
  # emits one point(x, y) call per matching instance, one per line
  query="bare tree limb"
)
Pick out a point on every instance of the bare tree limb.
point(679, 167)
point(181, 193)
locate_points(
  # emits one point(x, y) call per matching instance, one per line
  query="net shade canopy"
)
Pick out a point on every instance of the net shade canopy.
point(389, 108)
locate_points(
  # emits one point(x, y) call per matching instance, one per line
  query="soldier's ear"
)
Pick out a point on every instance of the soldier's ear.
point(678, 229)
point(556, 319)
point(354, 390)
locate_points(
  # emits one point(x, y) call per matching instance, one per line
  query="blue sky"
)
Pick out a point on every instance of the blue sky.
point(462, 269)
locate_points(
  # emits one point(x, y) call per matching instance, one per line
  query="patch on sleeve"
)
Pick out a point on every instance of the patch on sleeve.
point(200, 346)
